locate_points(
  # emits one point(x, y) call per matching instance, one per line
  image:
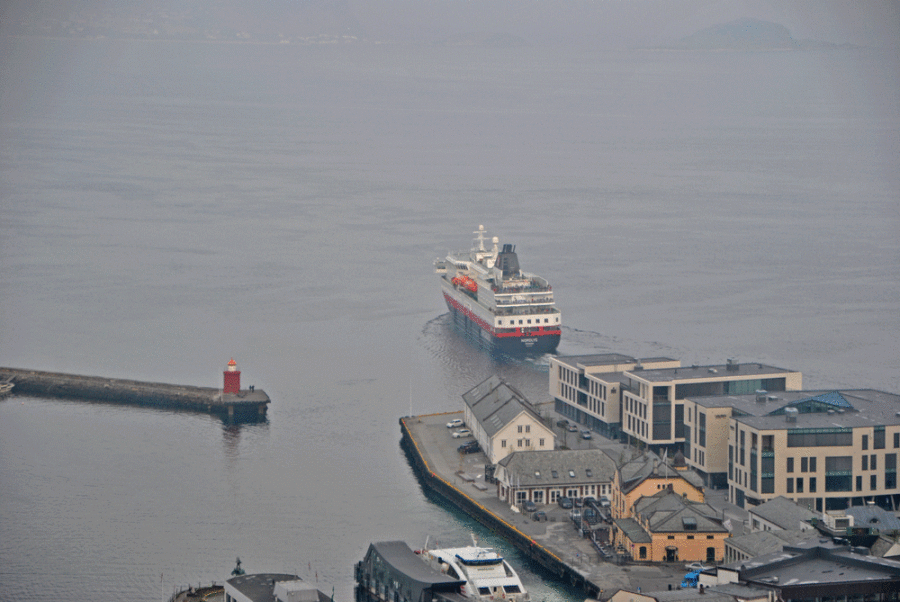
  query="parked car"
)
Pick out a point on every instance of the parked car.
point(469, 448)
point(578, 502)
point(562, 423)
point(696, 566)
point(529, 506)
point(573, 428)
point(462, 433)
point(604, 501)
point(585, 434)
point(539, 516)
point(690, 580)
point(455, 423)
point(565, 502)
point(589, 499)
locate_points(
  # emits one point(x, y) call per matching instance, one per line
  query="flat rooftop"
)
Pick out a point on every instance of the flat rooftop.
point(607, 359)
point(708, 372)
point(867, 407)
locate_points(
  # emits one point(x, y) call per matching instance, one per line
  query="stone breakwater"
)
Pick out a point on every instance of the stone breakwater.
point(244, 405)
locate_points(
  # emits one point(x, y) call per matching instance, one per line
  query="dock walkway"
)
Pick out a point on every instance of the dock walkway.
point(243, 405)
point(555, 543)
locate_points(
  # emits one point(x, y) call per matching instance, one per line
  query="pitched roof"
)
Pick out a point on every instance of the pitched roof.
point(535, 468)
point(767, 542)
point(633, 530)
point(669, 512)
point(494, 404)
point(873, 517)
point(783, 513)
point(635, 471)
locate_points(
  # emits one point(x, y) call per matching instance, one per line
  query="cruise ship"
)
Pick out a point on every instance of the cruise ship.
point(489, 296)
point(392, 572)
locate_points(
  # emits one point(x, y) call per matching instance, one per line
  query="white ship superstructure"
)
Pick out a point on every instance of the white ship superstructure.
point(487, 293)
point(487, 575)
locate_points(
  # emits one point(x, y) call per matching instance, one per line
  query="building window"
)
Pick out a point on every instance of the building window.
point(859, 483)
point(541, 442)
point(519, 443)
point(800, 485)
point(671, 537)
point(527, 442)
point(790, 465)
point(873, 462)
point(812, 464)
point(878, 438)
point(642, 552)
point(865, 442)
point(538, 496)
point(804, 464)
point(896, 440)
point(873, 482)
point(812, 484)
point(790, 485)
point(865, 462)
point(520, 428)
point(503, 443)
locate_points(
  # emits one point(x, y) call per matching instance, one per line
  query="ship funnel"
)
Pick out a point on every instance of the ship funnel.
point(508, 261)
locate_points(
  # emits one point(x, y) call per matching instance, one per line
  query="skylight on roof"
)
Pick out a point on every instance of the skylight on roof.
point(572, 473)
point(554, 474)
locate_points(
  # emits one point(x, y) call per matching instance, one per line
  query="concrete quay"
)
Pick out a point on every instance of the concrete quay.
point(554, 544)
point(244, 405)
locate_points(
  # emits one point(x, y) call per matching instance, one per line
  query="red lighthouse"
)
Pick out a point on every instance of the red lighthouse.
point(232, 378)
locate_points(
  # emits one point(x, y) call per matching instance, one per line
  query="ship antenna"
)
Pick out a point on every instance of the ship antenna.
point(480, 238)
point(427, 537)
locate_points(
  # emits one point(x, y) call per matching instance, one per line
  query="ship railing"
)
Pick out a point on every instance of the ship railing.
point(526, 311)
point(532, 300)
point(512, 290)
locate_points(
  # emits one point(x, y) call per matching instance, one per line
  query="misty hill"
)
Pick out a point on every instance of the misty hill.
point(743, 34)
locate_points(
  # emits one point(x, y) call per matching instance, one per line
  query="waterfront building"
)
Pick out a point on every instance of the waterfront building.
point(646, 475)
point(392, 572)
point(653, 401)
point(543, 477)
point(825, 450)
point(669, 527)
point(815, 570)
point(781, 514)
point(588, 388)
point(503, 421)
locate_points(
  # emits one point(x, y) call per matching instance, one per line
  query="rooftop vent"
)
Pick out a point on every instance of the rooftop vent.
point(790, 414)
point(713, 371)
point(732, 365)
point(761, 395)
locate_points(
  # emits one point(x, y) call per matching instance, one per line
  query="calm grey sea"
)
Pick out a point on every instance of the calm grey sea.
point(168, 206)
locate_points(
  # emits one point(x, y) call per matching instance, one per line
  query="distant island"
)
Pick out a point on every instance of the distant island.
point(748, 35)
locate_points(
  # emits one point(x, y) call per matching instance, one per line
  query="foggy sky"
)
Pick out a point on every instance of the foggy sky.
point(596, 23)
